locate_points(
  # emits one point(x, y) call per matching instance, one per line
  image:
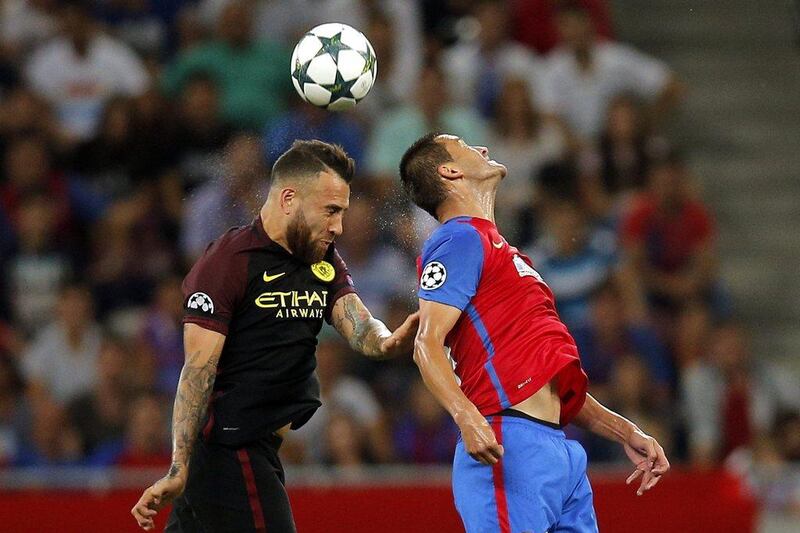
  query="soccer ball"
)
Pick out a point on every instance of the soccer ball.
point(333, 66)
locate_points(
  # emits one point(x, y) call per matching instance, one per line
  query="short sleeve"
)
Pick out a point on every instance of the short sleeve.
point(647, 76)
point(342, 282)
point(213, 287)
point(451, 267)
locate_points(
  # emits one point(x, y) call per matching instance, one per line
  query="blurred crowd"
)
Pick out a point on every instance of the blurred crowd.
point(133, 132)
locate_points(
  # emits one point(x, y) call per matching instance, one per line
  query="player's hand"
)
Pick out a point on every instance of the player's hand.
point(648, 456)
point(155, 497)
point(479, 439)
point(401, 340)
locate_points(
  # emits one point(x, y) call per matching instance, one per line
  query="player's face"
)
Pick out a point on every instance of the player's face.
point(319, 220)
point(472, 161)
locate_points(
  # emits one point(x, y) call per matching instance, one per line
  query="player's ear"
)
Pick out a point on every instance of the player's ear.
point(450, 171)
point(288, 200)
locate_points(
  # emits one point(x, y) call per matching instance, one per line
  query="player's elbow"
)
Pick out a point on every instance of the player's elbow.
point(423, 345)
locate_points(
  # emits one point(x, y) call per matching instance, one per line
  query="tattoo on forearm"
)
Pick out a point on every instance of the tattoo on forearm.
point(174, 470)
point(191, 402)
point(367, 332)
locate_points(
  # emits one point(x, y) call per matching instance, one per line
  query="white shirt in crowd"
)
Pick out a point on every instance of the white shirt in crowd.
point(464, 64)
point(78, 87)
point(582, 98)
point(66, 372)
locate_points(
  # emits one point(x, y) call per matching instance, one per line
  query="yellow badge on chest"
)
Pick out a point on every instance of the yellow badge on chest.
point(324, 271)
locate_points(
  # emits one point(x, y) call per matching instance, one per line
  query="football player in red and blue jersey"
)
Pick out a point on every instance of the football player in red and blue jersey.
point(517, 379)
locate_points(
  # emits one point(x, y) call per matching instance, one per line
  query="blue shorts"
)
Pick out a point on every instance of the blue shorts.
point(539, 485)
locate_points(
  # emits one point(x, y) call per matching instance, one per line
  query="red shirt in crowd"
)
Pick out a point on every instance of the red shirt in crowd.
point(670, 240)
point(535, 22)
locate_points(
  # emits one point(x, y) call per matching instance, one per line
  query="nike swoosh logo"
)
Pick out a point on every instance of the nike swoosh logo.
point(267, 278)
point(498, 245)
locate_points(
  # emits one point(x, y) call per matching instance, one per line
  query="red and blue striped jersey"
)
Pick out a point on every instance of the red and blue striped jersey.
point(509, 341)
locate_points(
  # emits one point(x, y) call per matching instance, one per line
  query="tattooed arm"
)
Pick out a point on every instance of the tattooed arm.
point(367, 334)
point(202, 348)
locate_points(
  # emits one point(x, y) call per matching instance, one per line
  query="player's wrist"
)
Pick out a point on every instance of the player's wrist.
point(179, 469)
point(466, 415)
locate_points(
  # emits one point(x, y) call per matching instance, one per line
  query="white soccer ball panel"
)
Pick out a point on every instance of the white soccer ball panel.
point(362, 86)
point(328, 29)
point(298, 88)
point(308, 47)
point(319, 96)
point(351, 64)
point(342, 104)
point(354, 39)
point(322, 70)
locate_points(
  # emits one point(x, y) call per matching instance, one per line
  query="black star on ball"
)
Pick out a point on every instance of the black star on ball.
point(332, 45)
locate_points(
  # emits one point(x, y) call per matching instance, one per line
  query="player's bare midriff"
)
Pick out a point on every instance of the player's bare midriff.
point(544, 404)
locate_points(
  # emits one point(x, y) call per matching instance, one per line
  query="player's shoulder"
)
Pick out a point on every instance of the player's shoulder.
point(457, 232)
point(236, 241)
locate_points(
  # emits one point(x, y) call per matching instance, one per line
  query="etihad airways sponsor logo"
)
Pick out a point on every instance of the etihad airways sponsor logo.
point(294, 304)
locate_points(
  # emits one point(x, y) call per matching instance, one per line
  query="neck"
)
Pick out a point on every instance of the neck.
point(478, 203)
point(274, 225)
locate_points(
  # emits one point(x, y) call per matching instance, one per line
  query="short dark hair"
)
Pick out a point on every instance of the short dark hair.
point(306, 159)
point(419, 175)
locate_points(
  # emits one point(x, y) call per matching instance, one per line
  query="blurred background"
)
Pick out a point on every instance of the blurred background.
point(652, 148)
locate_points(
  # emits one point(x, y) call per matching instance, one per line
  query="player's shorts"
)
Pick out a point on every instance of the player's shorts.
point(539, 485)
point(236, 490)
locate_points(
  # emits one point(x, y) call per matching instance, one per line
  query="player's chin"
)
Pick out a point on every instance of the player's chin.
point(500, 167)
point(321, 250)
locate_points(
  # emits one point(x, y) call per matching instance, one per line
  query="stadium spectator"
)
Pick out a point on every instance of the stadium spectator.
point(585, 74)
point(309, 122)
point(201, 133)
point(28, 169)
point(61, 362)
point(730, 397)
point(251, 74)
point(346, 402)
point(100, 415)
point(400, 60)
point(81, 69)
point(616, 329)
point(39, 267)
point(130, 249)
point(231, 199)
point(624, 147)
point(424, 433)
point(477, 69)
point(189, 29)
point(668, 237)
point(161, 335)
point(524, 142)
point(146, 442)
point(344, 444)
point(575, 258)
point(431, 110)
point(535, 22)
point(381, 270)
point(52, 441)
point(629, 392)
point(109, 163)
